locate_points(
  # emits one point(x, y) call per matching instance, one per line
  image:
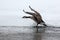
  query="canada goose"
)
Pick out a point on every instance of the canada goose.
point(35, 16)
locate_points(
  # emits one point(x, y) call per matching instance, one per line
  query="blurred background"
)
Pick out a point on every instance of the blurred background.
point(11, 12)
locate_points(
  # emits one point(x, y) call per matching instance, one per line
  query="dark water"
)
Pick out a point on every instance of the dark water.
point(29, 33)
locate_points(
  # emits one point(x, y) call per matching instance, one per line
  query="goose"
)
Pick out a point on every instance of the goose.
point(35, 16)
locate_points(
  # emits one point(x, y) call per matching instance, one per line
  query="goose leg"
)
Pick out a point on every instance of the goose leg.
point(37, 28)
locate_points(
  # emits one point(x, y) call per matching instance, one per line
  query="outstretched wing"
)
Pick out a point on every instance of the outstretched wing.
point(26, 17)
point(34, 10)
point(29, 12)
point(31, 17)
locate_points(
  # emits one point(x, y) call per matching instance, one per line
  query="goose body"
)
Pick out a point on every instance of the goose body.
point(35, 16)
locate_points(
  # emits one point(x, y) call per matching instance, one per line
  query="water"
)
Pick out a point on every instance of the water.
point(29, 33)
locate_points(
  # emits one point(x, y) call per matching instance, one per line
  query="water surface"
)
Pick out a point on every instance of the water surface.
point(29, 33)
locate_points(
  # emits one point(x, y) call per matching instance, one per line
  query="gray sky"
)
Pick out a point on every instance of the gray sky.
point(11, 11)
